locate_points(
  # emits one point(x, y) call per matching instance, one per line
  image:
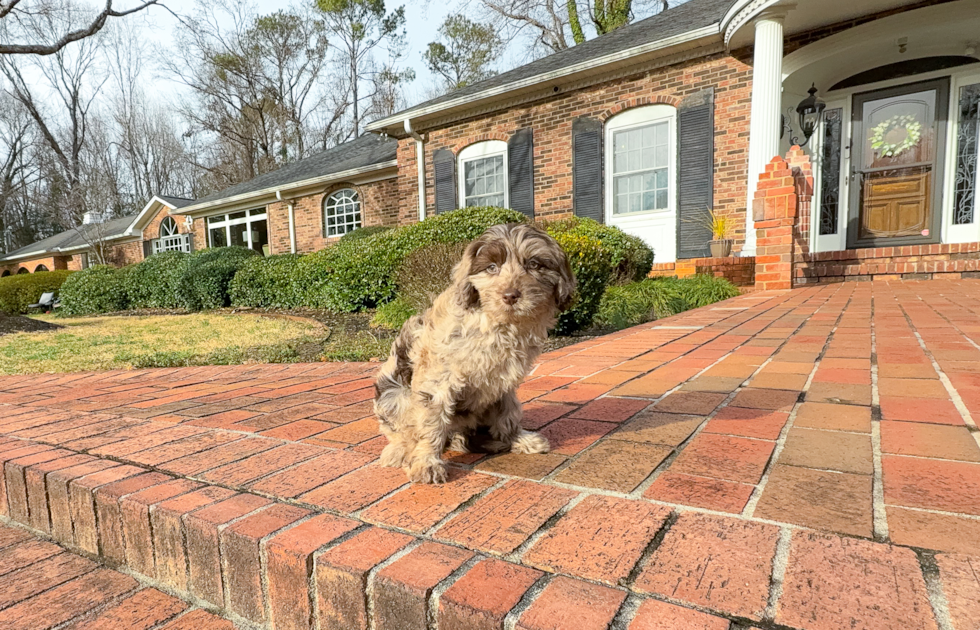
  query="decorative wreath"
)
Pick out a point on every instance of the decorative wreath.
point(913, 134)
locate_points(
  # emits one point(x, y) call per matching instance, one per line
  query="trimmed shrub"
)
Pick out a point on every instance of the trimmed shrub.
point(393, 314)
point(98, 289)
point(205, 278)
point(154, 283)
point(266, 282)
point(427, 272)
point(17, 292)
point(631, 258)
point(357, 274)
point(654, 298)
point(364, 232)
point(592, 264)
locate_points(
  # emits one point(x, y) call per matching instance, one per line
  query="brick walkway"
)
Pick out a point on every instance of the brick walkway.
point(801, 459)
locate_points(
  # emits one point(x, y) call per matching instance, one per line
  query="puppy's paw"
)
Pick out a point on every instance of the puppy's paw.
point(530, 442)
point(392, 456)
point(428, 471)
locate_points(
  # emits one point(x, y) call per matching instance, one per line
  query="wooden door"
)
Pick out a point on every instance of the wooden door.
point(896, 174)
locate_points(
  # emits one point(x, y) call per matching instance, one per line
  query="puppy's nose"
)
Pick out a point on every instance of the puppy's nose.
point(511, 296)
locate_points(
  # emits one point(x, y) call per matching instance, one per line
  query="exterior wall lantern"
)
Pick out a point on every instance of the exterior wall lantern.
point(809, 111)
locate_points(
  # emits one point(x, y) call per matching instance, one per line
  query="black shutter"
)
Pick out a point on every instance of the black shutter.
point(444, 167)
point(190, 241)
point(147, 249)
point(695, 173)
point(587, 168)
point(520, 171)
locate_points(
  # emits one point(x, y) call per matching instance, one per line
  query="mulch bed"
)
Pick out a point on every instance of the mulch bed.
point(16, 323)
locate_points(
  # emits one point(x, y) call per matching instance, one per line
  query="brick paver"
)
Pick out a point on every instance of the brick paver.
point(819, 420)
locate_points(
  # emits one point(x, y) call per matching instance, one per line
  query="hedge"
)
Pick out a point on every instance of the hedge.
point(154, 283)
point(591, 262)
point(360, 273)
point(266, 282)
point(17, 292)
point(631, 258)
point(205, 278)
point(98, 289)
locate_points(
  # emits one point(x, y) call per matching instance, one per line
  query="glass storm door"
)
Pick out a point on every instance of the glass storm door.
point(899, 137)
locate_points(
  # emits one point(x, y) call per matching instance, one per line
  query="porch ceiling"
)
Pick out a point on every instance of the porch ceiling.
point(800, 16)
point(945, 29)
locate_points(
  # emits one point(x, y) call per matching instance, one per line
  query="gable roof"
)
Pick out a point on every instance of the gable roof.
point(369, 152)
point(75, 238)
point(693, 19)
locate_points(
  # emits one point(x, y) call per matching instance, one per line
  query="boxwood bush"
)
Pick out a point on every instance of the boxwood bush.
point(98, 289)
point(631, 258)
point(154, 283)
point(591, 262)
point(266, 282)
point(205, 278)
point(17, 292)
point(360, 273)
point(364, 232)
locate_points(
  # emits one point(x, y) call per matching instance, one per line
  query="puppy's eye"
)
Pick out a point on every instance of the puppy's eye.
point(532, 265)
point(492, 268)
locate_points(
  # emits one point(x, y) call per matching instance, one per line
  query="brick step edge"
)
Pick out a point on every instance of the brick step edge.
point(275, 565)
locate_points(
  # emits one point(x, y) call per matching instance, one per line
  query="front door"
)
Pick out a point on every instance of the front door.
point(898, 140)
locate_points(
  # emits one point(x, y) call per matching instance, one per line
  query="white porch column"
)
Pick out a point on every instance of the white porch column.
point(765, 123)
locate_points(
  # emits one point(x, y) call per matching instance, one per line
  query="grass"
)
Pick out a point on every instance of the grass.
point(106, 343)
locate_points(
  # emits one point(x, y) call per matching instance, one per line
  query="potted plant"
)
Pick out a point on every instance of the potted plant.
point(721, 227)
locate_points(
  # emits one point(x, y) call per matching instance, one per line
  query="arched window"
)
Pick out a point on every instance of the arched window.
point(22, 270)
point(483, 174)
point(6, 272)
point(341, 212)
point(168, 227)
point(639, 160)
point(40, 268)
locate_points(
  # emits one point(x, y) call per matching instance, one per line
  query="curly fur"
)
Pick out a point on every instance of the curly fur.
point(452, 375)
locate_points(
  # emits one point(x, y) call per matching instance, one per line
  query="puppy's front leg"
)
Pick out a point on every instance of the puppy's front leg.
point(505, 427)
point(424, 464)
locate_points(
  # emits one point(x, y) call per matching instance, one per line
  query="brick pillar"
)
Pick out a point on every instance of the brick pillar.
point(781, 211)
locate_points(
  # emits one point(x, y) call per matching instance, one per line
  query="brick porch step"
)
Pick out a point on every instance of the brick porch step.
point(43, 586)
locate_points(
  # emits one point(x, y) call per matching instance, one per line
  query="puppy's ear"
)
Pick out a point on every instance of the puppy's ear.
point(466, 294)
point(565, 288)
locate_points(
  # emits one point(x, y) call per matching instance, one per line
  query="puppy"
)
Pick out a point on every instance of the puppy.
point(454, 370)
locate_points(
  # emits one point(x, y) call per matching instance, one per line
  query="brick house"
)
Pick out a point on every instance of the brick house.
point(120, 241)
point(649, 126)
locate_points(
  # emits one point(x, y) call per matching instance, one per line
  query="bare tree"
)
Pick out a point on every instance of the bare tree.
point(258, 84)
point(359, 28)
point(465, 52)
point(59, 99)
point(45, 27)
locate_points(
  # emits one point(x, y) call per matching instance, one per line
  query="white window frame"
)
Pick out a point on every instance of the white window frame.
point(173, 242)
point(227, 222)
point(968, 232)
point(478, 151)
point(633, 119)
point(359, 211)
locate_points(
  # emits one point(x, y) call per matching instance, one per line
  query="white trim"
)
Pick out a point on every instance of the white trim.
point(260, 214)
point(710, 31)
point(478, 151)
point(198, 209)
point(970, 232)
point(657, 227)
point(146, 208)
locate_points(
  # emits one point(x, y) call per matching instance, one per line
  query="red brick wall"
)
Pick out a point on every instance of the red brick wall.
point(916, 262)
point(551, 120)
point(52, 263)
point(740, 271)
point(379, 206)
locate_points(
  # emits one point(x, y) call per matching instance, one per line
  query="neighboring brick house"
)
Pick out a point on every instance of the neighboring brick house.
point(120, 241)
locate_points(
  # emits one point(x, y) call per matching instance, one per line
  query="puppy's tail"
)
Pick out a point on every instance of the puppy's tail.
point(393, 386)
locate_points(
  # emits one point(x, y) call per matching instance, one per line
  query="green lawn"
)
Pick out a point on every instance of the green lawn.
point(105, 343)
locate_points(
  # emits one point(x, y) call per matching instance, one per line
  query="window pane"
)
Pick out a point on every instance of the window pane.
point(342, 212)
point(483, 181)
point(237, 215)
point(239, 236)
point(218, 237)
point(260, 235)
point(217, 219)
